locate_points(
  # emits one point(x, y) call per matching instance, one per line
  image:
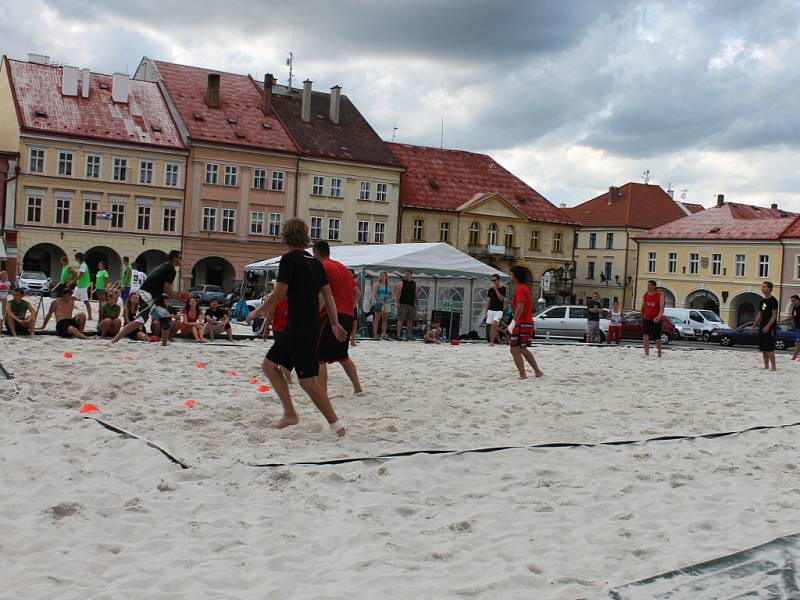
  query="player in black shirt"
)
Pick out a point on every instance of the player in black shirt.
point(767, 319)
point(794, 319)
point(302, 281)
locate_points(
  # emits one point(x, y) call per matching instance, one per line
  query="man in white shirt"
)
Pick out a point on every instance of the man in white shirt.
point(137, 277)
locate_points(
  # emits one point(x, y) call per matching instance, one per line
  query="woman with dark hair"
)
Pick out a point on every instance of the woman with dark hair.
point(129, 316)
point(521, 327)
point(192, 322)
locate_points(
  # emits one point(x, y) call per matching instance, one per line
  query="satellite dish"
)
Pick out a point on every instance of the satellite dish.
point(683, 194)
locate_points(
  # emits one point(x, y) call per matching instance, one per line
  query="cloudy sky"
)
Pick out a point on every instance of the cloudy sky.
point(571, 95)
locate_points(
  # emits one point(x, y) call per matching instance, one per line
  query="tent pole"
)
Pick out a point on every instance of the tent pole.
point(469, 314)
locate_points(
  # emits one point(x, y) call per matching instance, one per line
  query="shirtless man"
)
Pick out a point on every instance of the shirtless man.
point(64, 307)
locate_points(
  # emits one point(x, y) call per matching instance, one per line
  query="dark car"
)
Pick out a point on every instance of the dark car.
point(206, 293)
point(784, 338)
point(632, 328)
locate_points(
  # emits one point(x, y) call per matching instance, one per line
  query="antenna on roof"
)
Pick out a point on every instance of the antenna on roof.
point(441, 138)
point(646, 176)
point(290, 60)
point(394, 133)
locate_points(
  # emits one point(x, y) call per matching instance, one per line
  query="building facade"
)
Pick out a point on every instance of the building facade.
point(101, 168)
point(717, 260)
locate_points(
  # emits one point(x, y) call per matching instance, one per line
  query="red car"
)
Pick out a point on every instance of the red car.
point(632, 327)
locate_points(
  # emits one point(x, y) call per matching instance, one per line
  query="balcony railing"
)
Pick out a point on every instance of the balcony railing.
point(491, 250)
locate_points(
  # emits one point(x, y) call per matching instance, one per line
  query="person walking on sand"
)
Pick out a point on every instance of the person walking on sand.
point(67, 325)
point(407, 296)
point(109, 322)
point(614, 324)
point(594, 308)
point(794, 319)
point(652, 313)
point(81, 292)
point(68, 275)
point(17, 317)
point(302, 281)
point(101, 282)
point(495, 298)
point(125, 279)
point(522, 323)
point(278, 319)
point(765, 320)
point(345, 296)
point(382, 304)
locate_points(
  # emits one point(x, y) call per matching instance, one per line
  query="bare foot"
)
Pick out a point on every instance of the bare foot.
point(286, 421)
point(523, 376)
point(539, 374)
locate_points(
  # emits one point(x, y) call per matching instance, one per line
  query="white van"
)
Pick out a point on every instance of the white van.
point(702, 321)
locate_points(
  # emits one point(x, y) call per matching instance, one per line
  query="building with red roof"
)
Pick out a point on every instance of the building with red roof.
point(605, 251)
point(471, 201)
point(98, 167)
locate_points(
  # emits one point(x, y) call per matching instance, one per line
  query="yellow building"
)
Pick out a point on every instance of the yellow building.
point(102, 167)
point(717, 259)
point(470, 201)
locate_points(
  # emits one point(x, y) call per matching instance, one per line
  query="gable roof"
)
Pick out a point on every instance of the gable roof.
point(41, 108)
point(237, 121)
point(352, 139)
point(729, 221)
point(635, 205)
point(479, 198)
point(442, 179)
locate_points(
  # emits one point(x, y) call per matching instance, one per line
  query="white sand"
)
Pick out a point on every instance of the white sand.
point(85, 514)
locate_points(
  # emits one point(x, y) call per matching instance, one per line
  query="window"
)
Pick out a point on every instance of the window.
point(797, 267)
point(716, 264)
point(171, 171)
point(90, 213)
point(363, 231)
point(535, 239)
point(380, 230)
point(672, 262)
point(740, 264)
point(260, 180)
point(364, 195)
point(592, 240)
point(146, 171)
point(416, 232)
point(212, 174)
point(256, 222)
point(34, 209)
point(491, 237)
point(277, 181)
point(609, 241)
point(275, 224)
point(336, 187)
point(651, 262)
point(590, 270)
point(318, 187)
point(36, 160)
point(65, 163)
point(510, 236)
point(169, 220)
point(557, 313)
point(333, 229)
point(143, 217)
point(93, 166)
point(315, 230)
point(444, 231)
point(607, 271)
point(231, 176)
point(382, 192)
point(694, 263)
point(228, 218)
point(474, 234)
point(763, 266)
point(117, 216)
point(209, 218)
point(120, 169)
point(62, 211)
point(557, 241)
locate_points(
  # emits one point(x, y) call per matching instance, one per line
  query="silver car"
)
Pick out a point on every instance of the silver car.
point(564, 321)
point(33, 282)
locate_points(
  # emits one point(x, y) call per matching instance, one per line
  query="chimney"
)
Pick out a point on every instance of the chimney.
point(305, 107)
point(266, 100)
point(336, 97)
point(774, 206)
point(69, 81)
point(562, 205)
point(120, 88)
point(212, 93)
point(720, 199)
point(86, 76)
point(612, 194)
point(671, 193)
point(39, 59)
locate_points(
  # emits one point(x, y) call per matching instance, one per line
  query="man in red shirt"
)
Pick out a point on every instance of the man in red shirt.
point(345, 294)
point(521, 327)
point(652, 313)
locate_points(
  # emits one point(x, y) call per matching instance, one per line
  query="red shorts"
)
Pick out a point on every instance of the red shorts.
point(522, 335)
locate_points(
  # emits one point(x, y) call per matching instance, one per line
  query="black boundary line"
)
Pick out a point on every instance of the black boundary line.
point(127, 434)
point(551, 445)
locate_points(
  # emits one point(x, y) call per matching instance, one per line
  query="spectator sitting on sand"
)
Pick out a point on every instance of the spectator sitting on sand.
point(16, 314)
point(217, 321)
point(192, 322)
point(110, 322)
point(64, 307)
point(129, 316)
point(433, 333)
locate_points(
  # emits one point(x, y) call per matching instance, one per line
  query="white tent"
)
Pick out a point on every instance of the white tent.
point(448, 279)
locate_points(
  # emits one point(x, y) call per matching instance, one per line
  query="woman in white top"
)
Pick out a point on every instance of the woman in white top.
point(615, 325)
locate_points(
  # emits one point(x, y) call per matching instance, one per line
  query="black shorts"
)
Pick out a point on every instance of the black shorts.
point(20, 329)
point(651, 329)
point(298, 352)
point(134, 335)
point(330, 349)
point(63, 325)
point(766, 341)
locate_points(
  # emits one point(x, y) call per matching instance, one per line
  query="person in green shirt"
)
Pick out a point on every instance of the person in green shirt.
point(109, 316)
point(101, 282)
point(17, 319)
point(125, 281)
point(81, 291)
point(68, 274)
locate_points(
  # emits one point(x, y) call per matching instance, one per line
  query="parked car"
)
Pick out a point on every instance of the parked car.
point(563, 322)
point(206, 293)
point(704, 322)
point(784, 337)
point(685, 331)
point(33, 282)
point(632, 328)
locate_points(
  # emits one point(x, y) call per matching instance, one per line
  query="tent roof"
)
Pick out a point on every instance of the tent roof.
point(439, 259)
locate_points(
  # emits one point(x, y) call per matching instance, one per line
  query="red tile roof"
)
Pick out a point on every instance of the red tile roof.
point(635, 205)
point(237, 121)
point(794, 230)
point(731, 221)
point(42, 108)
point(446, 179)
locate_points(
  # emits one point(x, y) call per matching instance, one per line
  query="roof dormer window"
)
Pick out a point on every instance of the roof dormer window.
point(198, 117)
